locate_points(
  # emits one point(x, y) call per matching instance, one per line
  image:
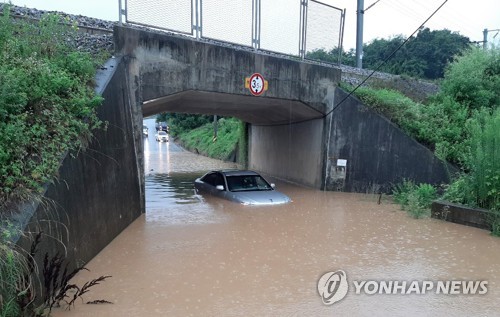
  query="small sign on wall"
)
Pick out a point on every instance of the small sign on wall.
point(256, 84)
point(341, 162)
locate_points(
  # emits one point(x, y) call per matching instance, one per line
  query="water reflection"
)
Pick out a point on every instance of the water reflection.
point(175, 188)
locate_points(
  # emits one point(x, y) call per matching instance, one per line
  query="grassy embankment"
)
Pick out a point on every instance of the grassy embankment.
point(47, 109)
point(230, 143)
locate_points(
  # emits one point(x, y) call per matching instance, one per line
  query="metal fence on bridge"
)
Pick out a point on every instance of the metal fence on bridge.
point(291, 27)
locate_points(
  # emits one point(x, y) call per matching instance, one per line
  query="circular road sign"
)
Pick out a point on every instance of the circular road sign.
point(256, 84)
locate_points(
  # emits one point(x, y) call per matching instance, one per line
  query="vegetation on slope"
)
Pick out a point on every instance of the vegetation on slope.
point(47, 103)
point(471, 87)
point(201, 139)
point(47, 109)
point(461, 124)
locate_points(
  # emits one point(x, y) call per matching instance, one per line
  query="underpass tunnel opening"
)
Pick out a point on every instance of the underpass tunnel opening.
point(283, 137)
point(250, 109)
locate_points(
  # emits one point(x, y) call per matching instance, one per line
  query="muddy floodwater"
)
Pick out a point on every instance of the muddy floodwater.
point(202, 256)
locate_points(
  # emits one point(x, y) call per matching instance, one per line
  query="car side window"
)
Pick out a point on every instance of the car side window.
point(219, 180)
point(209, 179)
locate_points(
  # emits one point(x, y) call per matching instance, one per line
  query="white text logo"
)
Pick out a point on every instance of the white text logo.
point(333, 286)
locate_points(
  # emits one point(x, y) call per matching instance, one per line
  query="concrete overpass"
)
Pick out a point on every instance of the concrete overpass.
point(293, 132)
point(179, 74)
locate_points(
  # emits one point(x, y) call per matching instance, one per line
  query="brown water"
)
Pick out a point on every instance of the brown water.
point(202, 256)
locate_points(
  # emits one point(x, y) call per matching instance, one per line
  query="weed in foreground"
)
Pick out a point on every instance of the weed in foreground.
point(416, 200)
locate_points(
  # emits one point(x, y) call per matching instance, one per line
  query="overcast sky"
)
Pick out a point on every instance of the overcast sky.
point(386, 18)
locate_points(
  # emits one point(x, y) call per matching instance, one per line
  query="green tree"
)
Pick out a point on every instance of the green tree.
point(437, 48)
point(378, 50)
point(473, 79)
point(332, 56)
point(424, 55)
point(182, 122)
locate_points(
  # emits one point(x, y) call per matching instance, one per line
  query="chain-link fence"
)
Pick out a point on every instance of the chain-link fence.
point(280, 26)
point(227, 21)
point(292, 27)
point(324, 28)
point(172, 15)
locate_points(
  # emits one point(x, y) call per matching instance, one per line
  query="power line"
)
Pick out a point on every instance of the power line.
point(371, 5)
point(385, 60)
point(394, 5)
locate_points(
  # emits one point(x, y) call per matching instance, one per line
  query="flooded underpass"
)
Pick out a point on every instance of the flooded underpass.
point(203, 256)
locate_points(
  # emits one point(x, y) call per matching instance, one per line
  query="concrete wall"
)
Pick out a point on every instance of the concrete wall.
point(97, 193)
point(378, 153)
point(292, 152)
point(180, 74)
point(473, 217)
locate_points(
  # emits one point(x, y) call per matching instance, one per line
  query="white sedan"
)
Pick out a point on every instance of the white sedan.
point(161, 136)
point(244, 187)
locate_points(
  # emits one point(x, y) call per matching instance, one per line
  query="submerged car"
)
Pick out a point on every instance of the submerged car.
point(244, 187)
point(161, 136)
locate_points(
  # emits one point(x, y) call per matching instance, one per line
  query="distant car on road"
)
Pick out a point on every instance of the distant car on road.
point(145, 130)
point(161, 136)
point(161, 126)
point(244, 187)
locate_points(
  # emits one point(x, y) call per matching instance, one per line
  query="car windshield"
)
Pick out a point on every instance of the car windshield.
point(162, 133)
point(240, 183)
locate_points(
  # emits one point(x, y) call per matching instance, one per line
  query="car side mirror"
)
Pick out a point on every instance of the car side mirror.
point(273, 185)
point(219, 187)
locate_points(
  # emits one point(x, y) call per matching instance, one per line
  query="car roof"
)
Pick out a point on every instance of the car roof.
point(233, 172)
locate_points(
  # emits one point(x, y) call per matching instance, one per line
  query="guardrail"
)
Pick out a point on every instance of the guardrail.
point(290, 27)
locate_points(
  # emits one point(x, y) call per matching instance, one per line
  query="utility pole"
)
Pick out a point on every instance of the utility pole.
point(359, 34)
point(120, 12)
point(485, 39)
point(215, 128)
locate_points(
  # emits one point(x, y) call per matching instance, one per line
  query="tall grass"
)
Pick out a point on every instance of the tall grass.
point(17, 286)
point(415, 199)
point(484, 160)
point(480, 186)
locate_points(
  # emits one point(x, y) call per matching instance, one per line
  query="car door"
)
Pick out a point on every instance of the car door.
point(219, 180)
point(207, 183)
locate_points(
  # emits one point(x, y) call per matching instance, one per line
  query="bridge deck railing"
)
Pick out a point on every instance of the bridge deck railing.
point(290, 27)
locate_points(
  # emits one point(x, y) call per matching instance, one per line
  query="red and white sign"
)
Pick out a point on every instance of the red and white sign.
point(256, 84)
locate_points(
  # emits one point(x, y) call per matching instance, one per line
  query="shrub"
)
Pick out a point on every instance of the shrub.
point(473, 79)
point(47, 103)
point(415, 208)
point(480, 186)
point(416, 200)
point(484, 159)
point(401, 191)
point(495, 223)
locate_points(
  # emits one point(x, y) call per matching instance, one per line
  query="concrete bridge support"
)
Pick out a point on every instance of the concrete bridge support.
point(294, 152)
